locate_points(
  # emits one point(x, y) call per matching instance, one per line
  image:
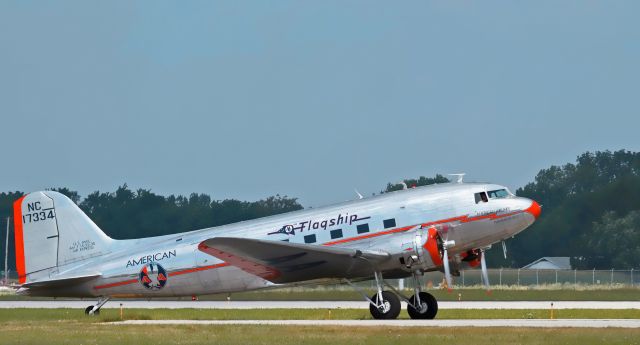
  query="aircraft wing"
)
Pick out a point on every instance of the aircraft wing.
point(284, 262)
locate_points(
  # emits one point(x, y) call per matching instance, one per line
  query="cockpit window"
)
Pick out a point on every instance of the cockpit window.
point(481, 197)
point(498, 194)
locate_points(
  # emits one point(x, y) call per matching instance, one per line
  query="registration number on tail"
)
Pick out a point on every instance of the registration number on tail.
point(38, 216)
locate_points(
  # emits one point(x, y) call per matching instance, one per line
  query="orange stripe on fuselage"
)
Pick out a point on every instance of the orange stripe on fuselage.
point(171, 274)
point(19, 240)
point(461, 219)
point(373, 234)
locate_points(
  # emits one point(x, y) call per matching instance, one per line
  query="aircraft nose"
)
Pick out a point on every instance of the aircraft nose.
point(534, 209)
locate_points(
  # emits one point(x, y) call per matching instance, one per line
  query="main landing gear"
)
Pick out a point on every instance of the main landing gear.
point(386, 304)
point(421, 305)
point(95, 309)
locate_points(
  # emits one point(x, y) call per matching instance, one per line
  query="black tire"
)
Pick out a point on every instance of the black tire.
point(392, 304)
point(88, 311)
point(429, 307)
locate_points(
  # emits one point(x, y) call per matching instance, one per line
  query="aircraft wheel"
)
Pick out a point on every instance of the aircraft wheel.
point(428, 307)
point(390, 308)
point(88, 311)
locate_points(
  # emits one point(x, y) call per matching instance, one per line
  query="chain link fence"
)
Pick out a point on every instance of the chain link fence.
point(533, 278)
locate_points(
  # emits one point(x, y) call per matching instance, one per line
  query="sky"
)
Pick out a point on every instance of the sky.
point(310, 99)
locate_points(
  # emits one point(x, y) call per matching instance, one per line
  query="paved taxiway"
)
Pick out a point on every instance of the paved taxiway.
point(538, 323)
point(155, 304)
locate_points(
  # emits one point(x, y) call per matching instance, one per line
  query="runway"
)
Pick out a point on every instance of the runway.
point(156, 304)
point(536, 323)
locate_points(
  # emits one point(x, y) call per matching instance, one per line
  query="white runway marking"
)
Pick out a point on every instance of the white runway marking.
point(537, 323)
point(155, 304)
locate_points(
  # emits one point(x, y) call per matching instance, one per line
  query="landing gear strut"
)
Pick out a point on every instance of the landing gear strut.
point(386, 304)
point(421, 305)
point(387, 307)
point(95, 309)
point(383, 304)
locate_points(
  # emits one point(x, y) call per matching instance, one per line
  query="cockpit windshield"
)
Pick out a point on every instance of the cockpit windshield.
point(498, 194)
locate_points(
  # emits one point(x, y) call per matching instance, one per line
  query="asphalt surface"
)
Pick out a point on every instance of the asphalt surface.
point(537, 323)
point(155, 304)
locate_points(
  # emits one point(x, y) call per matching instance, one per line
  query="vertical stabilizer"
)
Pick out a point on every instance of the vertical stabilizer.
point(51, 231)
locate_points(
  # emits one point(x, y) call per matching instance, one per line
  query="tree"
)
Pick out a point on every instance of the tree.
point(421, 181)
point(613, 241)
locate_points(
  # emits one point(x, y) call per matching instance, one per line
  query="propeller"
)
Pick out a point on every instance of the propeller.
point(445, 261)
point(504, 250)
point(485, 275)
point(446, 244)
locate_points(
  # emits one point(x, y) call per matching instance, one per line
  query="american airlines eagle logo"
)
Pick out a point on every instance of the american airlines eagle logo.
point(152, 276)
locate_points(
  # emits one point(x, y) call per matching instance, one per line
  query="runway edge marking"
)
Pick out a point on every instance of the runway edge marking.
point(480, 323)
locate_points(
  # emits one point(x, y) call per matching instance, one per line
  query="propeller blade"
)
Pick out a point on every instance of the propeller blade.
point(504, 250)
point(447, 271)
point(485, 275)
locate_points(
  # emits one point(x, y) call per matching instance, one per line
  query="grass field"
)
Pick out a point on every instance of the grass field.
point(69, 333)
point(106, 315)
point(70, 326)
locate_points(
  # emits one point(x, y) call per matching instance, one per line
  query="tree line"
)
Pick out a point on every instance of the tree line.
point(591, 212)
point(127, 214)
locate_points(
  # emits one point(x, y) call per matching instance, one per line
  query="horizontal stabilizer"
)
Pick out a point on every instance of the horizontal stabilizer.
point(61, 282)
point(284, 262)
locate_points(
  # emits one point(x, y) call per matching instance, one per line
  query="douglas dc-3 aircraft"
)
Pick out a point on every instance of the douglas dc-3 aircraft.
point(60, 252)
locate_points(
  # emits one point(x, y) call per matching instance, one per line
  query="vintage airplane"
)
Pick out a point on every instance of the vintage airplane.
point(60, 252)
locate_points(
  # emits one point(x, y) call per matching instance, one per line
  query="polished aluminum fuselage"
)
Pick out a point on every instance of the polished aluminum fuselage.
point(193, 272)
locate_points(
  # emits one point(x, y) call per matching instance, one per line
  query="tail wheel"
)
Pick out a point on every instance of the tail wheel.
point(427, 309)
point(388, 309)
point(89, 311)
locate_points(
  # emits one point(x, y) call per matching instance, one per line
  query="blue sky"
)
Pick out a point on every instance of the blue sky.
point(245, 99)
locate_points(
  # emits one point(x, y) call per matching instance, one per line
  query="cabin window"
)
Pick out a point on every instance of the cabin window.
point(481, 197)
point(498, 194)
point(310, 238)
point(362, 228)
point(389, 223)
point(337, 233)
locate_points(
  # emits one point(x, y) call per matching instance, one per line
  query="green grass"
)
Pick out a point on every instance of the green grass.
point(73, 333)
point(65, 314)
point(71, 326)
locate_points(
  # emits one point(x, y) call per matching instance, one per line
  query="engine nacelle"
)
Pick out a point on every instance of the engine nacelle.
point(427, 249)
point(422, 249)
point(416, 249)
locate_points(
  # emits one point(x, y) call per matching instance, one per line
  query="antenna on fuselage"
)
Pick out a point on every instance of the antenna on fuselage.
point(358, 193)
point(460, 177)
